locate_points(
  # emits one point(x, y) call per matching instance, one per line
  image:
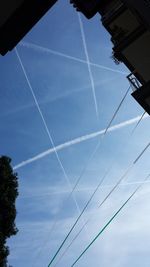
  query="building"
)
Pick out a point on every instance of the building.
point(17, 17)
point(128, 22)
point(88, 7)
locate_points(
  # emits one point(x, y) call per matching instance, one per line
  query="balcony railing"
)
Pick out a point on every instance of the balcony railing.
point(135, 83)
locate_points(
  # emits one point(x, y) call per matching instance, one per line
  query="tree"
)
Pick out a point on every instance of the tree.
point(8, 195)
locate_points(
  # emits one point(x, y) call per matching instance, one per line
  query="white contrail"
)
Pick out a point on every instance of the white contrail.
point(46, 127)
point(56, 53)
point(88, 64)
point(77, 141)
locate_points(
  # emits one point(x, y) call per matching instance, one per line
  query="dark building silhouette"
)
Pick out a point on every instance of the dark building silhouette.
point(17, 17)
point(88, 7)
point(128, 22)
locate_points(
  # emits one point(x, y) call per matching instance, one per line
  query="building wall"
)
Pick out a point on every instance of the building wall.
point(142, 7)
point(127, 22)
point(109, 7)
point(7, 8)
point(138, 54)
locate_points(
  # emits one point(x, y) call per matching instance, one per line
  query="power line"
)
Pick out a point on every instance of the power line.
point(77, 140)
point(36, 102)
point(116, 185)
point(85, 224)
point(99, 143)
point(106, 225)
point(125, 174)
point(93, 153)
point(76, 236)
point(78, 218)
point(55, 151)
point(84, 189)
point(47, 131)
point(118, 108)
point(139, 121)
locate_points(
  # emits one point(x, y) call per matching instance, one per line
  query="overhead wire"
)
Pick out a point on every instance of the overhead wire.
point(125, 174)
point(138, 122)
point(47, 130)
point(92, 156)
point(118, 108)
point(107, 224)
point(100, 141)
point(93, 88)
point(78, 218)
point(82, 189)
point(78, 140)
point(116, 185)
point(36, 102)
point(45, 122)
point(95, 150)
point(50, 137)
point(73, 240)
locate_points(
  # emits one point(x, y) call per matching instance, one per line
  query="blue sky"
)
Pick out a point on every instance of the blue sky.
point(54, 60)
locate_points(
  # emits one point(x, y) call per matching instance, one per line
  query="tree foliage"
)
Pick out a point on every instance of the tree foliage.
point(8, 195)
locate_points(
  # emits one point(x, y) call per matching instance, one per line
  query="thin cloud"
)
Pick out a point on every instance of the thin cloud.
point(56, 191)
point(42, 49)
point(77, 141)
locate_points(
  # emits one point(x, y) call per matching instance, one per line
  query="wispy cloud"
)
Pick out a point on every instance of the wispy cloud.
point(51, 98)
point(42, 49)
point(77, 141)
point(56, 191)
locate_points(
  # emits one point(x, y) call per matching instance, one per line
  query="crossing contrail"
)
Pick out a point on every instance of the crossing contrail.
point(88, 64)
point(56, 53)
point(77, 141)
point(42, 117)
point(46, 127)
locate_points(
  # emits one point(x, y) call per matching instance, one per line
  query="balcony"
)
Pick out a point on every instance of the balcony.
point(134, 82)
point(141, 92)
